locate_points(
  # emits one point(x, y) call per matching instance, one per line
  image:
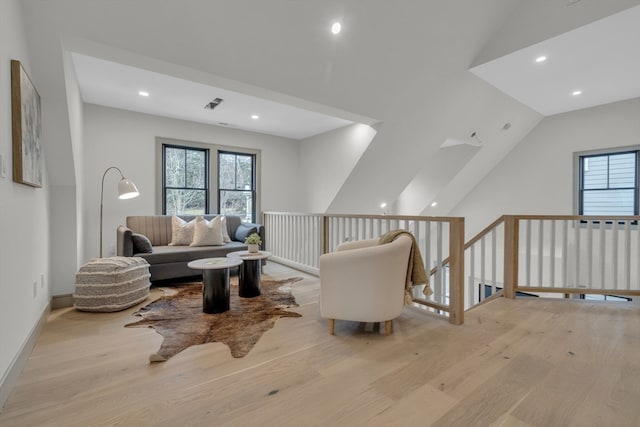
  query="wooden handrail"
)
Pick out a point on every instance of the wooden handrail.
point(484, 232)
point(475, 238)
point(580, 217)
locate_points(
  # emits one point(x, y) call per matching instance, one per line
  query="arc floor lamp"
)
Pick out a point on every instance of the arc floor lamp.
point(126, 190)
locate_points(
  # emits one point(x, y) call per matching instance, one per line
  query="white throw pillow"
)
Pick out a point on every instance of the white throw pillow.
point(225, 231)
point(181, 231)
point(208, 233)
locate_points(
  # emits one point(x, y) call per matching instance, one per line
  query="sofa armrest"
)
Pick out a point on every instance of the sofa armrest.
point(124, 242)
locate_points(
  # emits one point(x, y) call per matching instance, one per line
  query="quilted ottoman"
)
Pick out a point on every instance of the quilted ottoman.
point(111, 284)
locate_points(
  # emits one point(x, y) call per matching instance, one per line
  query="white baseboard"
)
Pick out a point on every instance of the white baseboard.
point(304, 268)
point(18, 363)
point(61, 301)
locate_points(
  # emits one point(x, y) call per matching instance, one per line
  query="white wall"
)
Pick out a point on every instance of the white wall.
point(326, 161)
point(128, 140)
point(537, 176)
point(66, 231)
point(24, 220)
point(75, 107)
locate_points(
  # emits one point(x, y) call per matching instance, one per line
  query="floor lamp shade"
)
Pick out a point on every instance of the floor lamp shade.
point(126, 190)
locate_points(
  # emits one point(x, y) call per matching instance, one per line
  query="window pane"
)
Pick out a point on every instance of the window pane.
point(608, 202)
point(195, 169)
point(174, 167)
point(227, 171)
point(191, 202)
point(244, 173)
point(595, 172)
point(622, 170)
point(237, 203)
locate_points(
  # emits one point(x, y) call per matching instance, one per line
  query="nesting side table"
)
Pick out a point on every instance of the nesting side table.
point(215, 281)
point(249, 277)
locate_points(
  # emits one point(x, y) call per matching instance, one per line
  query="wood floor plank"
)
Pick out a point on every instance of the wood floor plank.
point(520, 362)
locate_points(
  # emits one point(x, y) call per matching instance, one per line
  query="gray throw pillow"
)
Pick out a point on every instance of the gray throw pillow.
point(141, 244)
point(243, 231)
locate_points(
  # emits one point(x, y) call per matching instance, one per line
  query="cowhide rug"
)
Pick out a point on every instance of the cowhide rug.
point(180, 320)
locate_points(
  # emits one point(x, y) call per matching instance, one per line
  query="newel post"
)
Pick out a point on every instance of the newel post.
point(456, 271)
point(325, 234)
point(511, 246)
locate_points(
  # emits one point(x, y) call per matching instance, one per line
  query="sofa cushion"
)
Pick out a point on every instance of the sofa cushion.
point(141, 244)
point(178, 254)
point(243, 231)
point(181, 231)
point(208, 233)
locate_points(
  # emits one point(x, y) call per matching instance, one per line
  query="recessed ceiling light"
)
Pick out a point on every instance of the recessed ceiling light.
point(576, 92)
point(434, 204)
point(255, 116)
point(541, 58)
point(336, 28)
point(383, 205)
point(143, 93)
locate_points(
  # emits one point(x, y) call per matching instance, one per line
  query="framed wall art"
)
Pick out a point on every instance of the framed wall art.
point(26, 124)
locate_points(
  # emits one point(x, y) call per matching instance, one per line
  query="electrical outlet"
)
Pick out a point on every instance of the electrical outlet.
point(3, 167)
point(35, 288)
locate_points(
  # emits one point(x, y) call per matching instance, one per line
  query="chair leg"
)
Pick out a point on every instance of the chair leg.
point(387, 327)
point(332, 326)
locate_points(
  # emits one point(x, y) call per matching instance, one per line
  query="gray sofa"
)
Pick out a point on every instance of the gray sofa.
point(170, 262)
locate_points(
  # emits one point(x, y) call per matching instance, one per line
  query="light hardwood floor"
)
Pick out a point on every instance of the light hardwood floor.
point(518, 362)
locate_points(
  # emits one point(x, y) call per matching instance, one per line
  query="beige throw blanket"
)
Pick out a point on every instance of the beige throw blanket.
point(416, 273)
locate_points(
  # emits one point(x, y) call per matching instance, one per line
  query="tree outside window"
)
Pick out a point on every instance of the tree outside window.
point(185, 176)
point(236, 185)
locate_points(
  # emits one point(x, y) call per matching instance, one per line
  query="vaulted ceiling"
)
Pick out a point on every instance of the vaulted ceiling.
point(401, 65)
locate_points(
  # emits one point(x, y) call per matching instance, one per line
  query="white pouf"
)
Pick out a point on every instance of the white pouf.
point(111, 284)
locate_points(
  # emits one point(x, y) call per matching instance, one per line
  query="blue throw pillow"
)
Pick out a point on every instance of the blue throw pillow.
point(243, 231)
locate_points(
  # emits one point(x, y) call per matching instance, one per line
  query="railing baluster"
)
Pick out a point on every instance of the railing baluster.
point(637, 257)
point(565, 255)
point(540, 251)
point(482, 266)
point(576, 233)
point(493, 261)
point(439, 258)
point(627, 254)
point(472, 286)
point(603, 253)
point(614, 253)
point(427, 245)
point(552, 255)
point(527, 254)
point(590, 253)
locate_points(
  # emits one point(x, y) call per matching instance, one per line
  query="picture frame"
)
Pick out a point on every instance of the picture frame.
point(26, 122)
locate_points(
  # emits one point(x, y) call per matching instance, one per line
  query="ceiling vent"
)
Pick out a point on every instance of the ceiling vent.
point(213, 104)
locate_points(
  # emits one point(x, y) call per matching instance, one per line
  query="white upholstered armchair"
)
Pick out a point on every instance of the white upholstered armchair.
point(363, 281)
